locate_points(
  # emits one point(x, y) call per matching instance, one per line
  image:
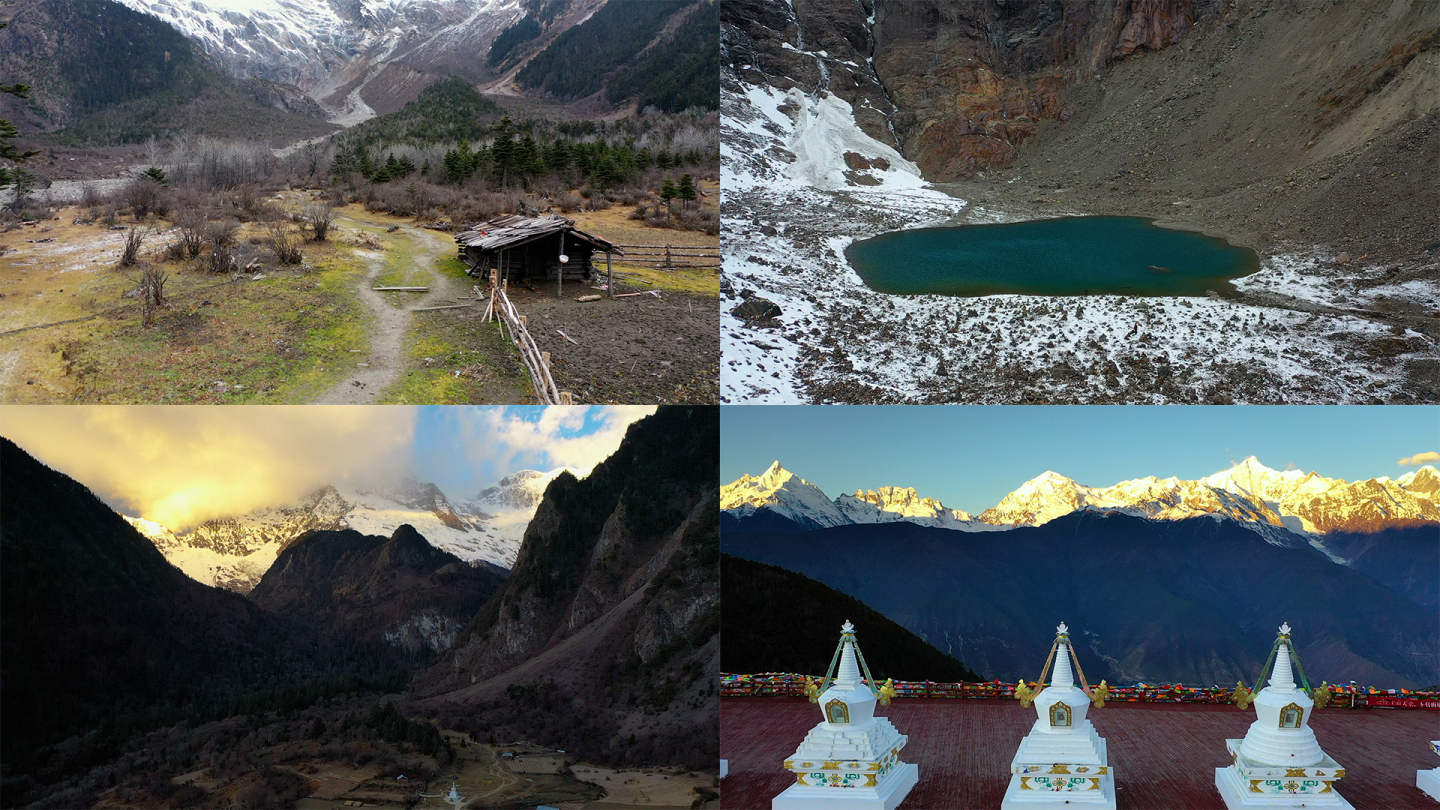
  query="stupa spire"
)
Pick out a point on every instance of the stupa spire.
point(848, 675)
point(1064, 676)
point(1282, 678)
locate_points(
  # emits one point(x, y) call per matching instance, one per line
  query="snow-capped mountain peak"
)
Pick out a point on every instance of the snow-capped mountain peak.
point(780, 491)
point(890, 504)
point(522, 490)
point(1424, 481)
point(236, 552)
point(1282, 506)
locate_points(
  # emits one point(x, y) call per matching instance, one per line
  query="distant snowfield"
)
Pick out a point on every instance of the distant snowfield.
point(789, 211)
point(236, 552)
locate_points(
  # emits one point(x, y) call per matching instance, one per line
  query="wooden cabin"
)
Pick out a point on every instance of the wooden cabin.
point(529, 249)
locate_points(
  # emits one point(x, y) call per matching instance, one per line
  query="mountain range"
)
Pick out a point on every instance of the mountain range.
point(1280, 505)
point(234, 553)
point(365, 57)
point(1193, 600)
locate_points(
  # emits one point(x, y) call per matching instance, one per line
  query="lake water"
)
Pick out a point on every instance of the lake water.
point(1070, 256)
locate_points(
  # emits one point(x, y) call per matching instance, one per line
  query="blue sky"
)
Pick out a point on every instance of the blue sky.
point(971, 456)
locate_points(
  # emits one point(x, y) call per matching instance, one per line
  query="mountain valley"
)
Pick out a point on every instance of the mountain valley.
point(365, 656)
point(1300, 130)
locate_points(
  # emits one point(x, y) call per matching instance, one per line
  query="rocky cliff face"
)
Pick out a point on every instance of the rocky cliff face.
point(399, 589)
point(958, 86)
point(613, 600)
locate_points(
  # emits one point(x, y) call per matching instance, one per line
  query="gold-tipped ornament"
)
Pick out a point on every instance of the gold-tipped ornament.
point(812, 689)
point(1025, 694)
point(1243, 696)
point(1099, 694)
point(887, 692)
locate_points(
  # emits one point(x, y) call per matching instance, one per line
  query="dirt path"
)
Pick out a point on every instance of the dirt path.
point(380, 368)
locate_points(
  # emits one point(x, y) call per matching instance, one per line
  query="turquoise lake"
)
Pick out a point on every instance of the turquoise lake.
point(1070, 256)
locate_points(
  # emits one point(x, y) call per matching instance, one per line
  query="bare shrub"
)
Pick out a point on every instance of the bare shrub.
point(283, 241)
point(191, 225)
point(130, 253)
point(152, 293)
point(220, 233)
point(175, 251)
point(222, 261)
point(570, 202)
point(142, 197)
point(707, 220)
point(317, 219)
point(90, 197)
point(108, 220)
point(599, 203)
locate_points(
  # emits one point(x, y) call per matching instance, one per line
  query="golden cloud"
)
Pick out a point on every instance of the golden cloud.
point(1420, 458)
point(183, 465)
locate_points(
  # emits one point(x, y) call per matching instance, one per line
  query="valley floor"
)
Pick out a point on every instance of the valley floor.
point(1307, 328)
point(70, 326)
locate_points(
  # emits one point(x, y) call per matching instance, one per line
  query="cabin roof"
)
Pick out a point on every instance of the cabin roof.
point(514, 229)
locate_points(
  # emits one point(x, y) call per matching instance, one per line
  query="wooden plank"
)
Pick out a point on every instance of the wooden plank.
point(401, 289)
point(448, 306)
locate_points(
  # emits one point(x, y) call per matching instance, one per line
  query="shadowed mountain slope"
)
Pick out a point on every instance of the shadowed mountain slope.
point(398, 590)
point(1194, 600)
point(612, 608)
point(754, 593)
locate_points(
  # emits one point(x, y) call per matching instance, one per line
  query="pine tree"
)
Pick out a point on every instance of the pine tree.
point(686, 190)
point(667, 193)
point(8, 133)
point(502, 151)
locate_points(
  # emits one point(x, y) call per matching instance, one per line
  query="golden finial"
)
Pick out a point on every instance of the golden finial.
point(1024, 694)
point(1099, 694)
point(1243, 696)
point(887, 692)
point(812, 690)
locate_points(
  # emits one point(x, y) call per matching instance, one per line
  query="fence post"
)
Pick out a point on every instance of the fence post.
point(609, 275)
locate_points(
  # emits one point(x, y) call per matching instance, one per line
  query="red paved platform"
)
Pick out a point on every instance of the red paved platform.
point(1164, 756)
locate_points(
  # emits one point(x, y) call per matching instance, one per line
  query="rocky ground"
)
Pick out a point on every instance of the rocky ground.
point(1308, 134)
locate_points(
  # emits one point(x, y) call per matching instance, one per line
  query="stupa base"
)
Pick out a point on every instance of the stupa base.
point(887, 796)
point(1238, 795)
point(1024, 793)
point(1429, 782)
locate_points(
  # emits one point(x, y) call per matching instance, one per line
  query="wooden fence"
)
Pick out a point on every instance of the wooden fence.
point(670, 257)
point(536, 362)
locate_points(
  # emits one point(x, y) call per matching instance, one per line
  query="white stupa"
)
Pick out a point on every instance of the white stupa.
point(1429, 781)
point(1279, 763)
point(1062, 760)
point(851, 759)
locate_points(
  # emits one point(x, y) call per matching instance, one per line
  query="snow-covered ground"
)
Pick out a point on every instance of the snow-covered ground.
point(792, 204)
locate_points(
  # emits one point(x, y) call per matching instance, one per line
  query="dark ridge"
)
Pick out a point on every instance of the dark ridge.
point(754, 594)
point(1194, 601)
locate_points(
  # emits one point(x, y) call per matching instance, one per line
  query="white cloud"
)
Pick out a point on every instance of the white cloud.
point(1420, 458)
